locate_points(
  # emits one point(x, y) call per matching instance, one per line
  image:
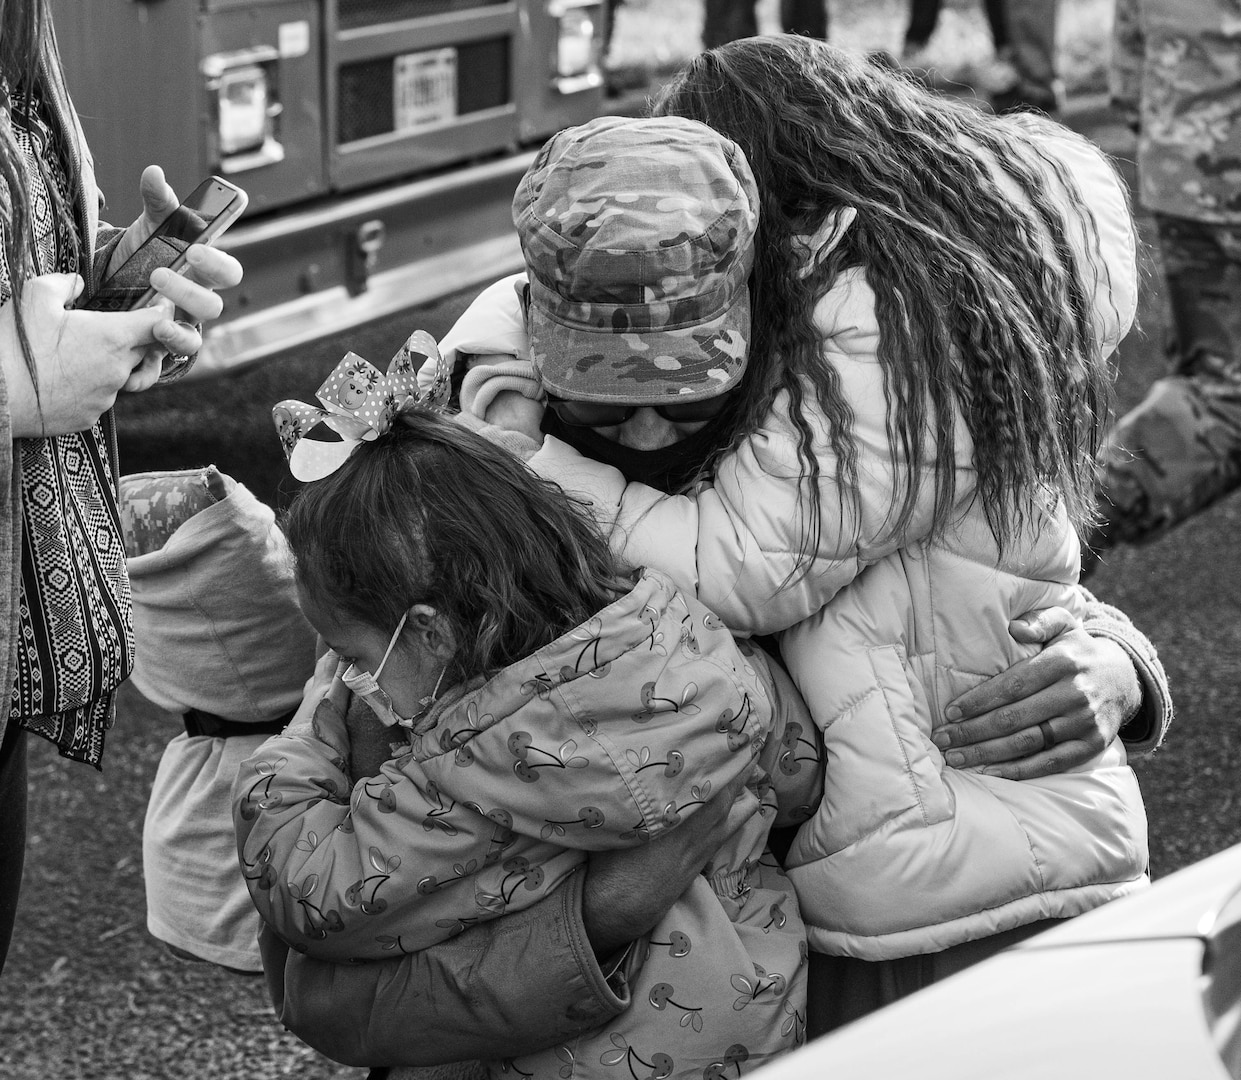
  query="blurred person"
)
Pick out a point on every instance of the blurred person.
point(1176, 77)
point(1031, 27)
point(221, 643)
point(998, 75)
point(66, 618)
point(728, 20)
point(924, 17)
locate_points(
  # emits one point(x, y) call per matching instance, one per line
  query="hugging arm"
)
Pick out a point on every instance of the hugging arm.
point(506, 987)
point(460, 1000)
point(1091, 681)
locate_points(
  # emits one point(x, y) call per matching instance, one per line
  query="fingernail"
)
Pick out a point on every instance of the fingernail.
point(941, 739)
point(954, 758)
point(953, 713)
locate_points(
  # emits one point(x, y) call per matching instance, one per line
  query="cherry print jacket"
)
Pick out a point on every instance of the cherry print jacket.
point(605, 738)
point(904, 855)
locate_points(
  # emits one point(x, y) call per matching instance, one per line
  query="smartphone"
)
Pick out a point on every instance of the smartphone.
point(202, 216)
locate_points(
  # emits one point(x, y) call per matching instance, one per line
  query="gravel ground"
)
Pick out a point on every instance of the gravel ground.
point(88, 995)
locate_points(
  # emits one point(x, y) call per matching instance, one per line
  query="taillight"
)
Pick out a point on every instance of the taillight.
point(245, 105)
point(579, 42)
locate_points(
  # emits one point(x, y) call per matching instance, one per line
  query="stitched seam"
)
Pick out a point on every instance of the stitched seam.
point(926, 820)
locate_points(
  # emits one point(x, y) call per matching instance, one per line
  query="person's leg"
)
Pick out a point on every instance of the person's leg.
point(12, 829)
point(727, 20)
point(806, 17)
point(923, 17)
point(998, 23)
point(1179, 449)
point(840, 989)
point(1031, 28)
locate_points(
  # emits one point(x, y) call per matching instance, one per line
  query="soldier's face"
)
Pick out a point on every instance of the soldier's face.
point(647, 430)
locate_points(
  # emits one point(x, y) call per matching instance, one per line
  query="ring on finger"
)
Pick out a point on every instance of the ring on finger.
point(1049, 736)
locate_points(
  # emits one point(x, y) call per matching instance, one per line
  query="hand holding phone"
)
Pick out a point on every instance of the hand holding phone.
point(201, 217)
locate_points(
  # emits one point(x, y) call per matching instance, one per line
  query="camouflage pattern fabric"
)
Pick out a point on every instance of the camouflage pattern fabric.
point(1177, 65)
point(638, 236)
point(1176, 76)
point(155, 505)
point(1180, 449)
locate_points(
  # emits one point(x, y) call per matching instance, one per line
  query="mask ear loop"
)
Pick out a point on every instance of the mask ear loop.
point(396, 634)
point(429, 700)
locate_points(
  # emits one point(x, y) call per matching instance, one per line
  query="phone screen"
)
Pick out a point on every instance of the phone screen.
point(202, 215)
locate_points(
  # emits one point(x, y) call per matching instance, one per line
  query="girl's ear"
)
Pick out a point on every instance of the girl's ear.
point(432, 631)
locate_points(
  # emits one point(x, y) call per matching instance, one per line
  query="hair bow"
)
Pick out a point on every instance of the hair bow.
point(359, 403)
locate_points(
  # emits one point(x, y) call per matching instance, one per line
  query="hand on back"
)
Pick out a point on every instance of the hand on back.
point(1048, 714)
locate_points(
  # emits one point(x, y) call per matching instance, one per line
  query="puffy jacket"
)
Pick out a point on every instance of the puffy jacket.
point(905, 855)
point(604, 738)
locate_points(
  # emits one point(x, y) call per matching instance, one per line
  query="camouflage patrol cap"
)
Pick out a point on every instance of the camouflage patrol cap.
point(638, 236)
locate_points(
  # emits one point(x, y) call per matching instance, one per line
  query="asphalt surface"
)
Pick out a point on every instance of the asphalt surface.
point(87, 993)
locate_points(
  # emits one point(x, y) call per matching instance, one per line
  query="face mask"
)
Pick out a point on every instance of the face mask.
point(366, 686)
point(669, 469)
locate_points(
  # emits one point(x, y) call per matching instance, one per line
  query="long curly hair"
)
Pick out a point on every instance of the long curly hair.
point(980, 300)
point(432, 513)
point(26, 41)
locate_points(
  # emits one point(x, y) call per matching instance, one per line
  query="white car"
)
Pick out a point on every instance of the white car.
point(1145, 987)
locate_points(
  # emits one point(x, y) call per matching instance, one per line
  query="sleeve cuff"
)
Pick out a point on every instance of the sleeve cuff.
point(515, 442)
point(1146, 730)
point(483, 382)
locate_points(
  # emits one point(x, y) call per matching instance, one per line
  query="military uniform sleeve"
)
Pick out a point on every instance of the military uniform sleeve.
point(500, 989)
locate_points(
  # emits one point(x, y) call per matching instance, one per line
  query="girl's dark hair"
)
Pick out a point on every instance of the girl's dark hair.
point(26, 41)
point(432, 513)
point(979, 297)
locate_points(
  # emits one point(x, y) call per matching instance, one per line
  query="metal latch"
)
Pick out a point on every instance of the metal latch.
point(364, 255)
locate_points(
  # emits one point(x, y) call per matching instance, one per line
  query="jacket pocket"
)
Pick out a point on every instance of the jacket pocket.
point(880, 762)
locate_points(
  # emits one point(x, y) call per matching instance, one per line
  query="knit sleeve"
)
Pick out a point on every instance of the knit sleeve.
point(1146, 730)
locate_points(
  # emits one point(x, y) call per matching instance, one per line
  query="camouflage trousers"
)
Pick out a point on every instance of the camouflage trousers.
point(1179, 450)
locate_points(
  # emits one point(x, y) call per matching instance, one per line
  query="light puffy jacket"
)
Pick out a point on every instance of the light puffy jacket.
point(605, 738)
point(905, 856)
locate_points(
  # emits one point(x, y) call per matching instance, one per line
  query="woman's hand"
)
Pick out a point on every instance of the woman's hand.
point(1078, 692)
point(82, 358)
point(192, 294)
point(324, 701)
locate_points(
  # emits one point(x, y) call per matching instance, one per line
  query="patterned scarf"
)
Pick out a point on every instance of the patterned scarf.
point(75, 619)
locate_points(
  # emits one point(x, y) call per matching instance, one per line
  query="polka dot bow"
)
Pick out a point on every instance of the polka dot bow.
point(359, 403)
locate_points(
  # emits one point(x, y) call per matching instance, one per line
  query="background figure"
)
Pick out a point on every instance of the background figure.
point(220, 642)
point(1031, 28)
point(924, 17)
point(1176, 76)
point(728, 20)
